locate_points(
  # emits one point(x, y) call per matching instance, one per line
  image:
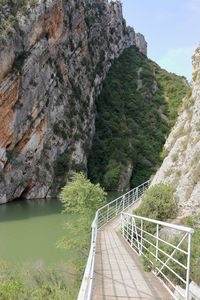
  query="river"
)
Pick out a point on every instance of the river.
point(30, 229)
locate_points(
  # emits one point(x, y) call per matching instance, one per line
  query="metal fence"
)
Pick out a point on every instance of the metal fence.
point(102, 217)
point(115, 207)
point(167, 257)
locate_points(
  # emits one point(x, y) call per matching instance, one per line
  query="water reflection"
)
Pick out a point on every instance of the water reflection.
point(25, 209)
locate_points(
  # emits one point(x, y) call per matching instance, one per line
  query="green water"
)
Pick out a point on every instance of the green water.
point(29, 231)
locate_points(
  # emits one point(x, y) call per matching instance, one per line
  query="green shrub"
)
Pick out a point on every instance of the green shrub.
point(33, 282)
point(61, 166)
point(198, 126)
point(164, 154)
point(111, 177)
point(188, 102)
point(158, 203)
point(81, 196)
point(194, 222)
point(12, 155)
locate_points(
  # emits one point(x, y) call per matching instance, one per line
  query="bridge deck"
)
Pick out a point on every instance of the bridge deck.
point(118, 272)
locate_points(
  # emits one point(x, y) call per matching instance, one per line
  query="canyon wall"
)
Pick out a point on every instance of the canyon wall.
point(181, 167)
point(54, 56)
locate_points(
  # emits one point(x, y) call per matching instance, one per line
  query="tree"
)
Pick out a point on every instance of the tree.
point(82, 198)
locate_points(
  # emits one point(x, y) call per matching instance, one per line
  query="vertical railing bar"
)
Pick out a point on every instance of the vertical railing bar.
point(123, 224)
point(108, 213)
point(157, 234)
point(188, 267)
point(131, 231)
point(141, 236)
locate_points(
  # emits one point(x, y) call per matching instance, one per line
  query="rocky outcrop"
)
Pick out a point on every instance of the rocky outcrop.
point(53, 60)
point(181, 166)
point(141, 43)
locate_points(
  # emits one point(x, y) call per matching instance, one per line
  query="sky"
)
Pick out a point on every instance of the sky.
point(171, 28)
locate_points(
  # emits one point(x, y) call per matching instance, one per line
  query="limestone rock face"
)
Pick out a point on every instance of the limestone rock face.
point(181, 166)
point(52, 65)
point(141, 43)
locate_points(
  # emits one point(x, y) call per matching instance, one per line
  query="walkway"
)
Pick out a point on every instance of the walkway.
point(118, 271)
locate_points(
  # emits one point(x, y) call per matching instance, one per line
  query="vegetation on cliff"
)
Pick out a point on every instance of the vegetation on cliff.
point(194, 222)
point(8, 11)
point(159, 203)
point(138, 105)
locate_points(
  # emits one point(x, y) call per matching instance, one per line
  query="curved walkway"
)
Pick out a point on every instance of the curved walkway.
point(118, 271)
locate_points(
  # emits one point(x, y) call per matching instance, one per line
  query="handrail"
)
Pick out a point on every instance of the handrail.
point(109, 211)
point(104, 215)
point(170, 225)
point(147, 182)
point(150, 245)
point(87, 282)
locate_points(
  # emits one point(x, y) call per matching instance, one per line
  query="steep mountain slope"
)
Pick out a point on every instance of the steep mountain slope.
point(181, 166)
point(135, 110)
point(54, 56)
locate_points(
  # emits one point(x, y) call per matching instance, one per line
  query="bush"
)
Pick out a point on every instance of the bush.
point(194, 222)
point(111, 177)
point(61, 166)
point(34, 282)
point(81, 196)
point(158, 203)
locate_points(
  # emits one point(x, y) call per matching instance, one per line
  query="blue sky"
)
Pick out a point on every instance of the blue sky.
point(171, 28)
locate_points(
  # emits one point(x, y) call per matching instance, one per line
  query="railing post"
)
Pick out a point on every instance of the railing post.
point(116, 209)
point(123, 202)
point(141, 233)
point(132, 232)
point(157, 234)
point(136, 193)
point(188, 267)
point(107, 218)
point(122, 224)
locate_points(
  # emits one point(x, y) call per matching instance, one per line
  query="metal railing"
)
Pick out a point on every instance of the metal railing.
point(85, 291)
point(102, 217)
point(115, 207)
point(168, 258)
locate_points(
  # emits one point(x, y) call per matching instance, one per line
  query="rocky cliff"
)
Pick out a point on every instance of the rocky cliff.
point(181, 166)
point(54, 56)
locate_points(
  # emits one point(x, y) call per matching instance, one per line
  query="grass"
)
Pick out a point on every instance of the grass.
point(34, 282)
point(194, 222)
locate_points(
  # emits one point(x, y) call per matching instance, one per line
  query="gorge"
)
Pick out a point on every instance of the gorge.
point(55, 56)
point(78, 93)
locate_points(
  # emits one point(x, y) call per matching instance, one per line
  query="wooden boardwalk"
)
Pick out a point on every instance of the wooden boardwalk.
point(118, 271)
